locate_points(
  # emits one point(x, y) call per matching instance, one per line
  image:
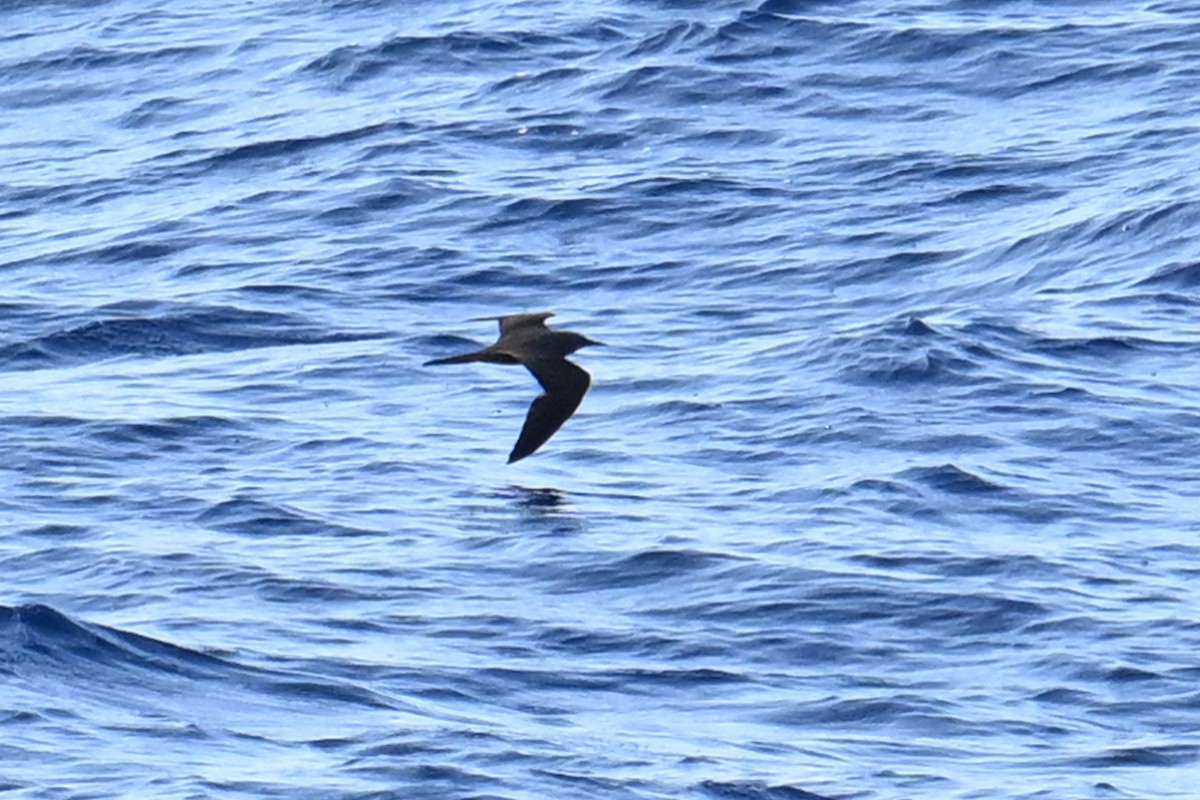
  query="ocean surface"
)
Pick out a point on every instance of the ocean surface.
point(888, 485)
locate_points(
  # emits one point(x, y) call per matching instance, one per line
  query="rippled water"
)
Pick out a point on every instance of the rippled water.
point(886, 487)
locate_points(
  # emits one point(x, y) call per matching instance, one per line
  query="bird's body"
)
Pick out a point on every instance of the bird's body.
point(525, 339)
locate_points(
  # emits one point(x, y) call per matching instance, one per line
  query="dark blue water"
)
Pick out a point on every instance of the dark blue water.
point(888, 485)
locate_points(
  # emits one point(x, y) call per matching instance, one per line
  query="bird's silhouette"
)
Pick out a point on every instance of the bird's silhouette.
point(525, 339)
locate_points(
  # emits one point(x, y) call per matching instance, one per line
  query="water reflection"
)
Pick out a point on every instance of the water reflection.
point(538, 499)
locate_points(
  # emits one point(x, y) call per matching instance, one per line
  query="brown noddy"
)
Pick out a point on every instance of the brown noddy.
point(525, 339)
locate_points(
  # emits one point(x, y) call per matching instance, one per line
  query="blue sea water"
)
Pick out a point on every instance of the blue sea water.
point(888, 485)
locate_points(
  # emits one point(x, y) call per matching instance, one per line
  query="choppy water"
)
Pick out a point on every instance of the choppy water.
point(887, 486)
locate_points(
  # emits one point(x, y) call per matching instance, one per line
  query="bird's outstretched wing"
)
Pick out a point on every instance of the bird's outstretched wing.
point(565, 386)
point(511, 322)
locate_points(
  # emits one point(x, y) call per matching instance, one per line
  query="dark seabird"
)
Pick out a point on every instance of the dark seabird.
point(525, 339)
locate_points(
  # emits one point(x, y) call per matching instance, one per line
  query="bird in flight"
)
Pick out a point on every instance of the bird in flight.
point(525, 339)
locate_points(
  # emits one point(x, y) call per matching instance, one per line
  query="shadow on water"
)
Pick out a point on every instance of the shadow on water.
point(542, 509)
point(537, 499)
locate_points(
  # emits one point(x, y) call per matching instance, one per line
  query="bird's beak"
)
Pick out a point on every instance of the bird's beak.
point(594, 342)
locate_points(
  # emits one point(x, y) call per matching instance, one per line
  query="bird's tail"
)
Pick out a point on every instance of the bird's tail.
point(463, 359)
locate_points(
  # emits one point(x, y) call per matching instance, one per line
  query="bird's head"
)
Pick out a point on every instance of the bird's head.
point(572, 341)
